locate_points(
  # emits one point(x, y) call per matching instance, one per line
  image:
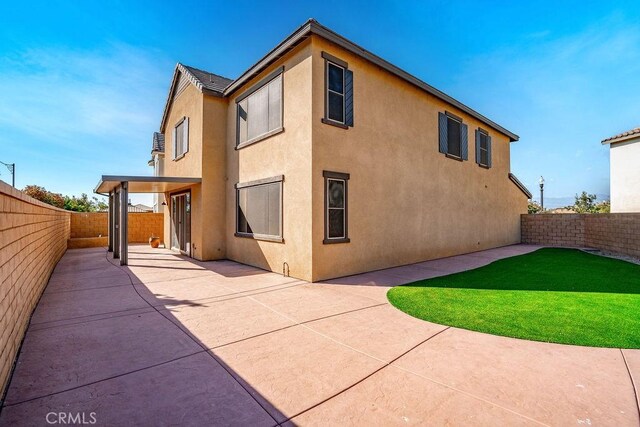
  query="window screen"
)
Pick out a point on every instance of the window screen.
point(335, 92)
point(484, 149)
point(260, 112)
point(259, 210)
point(453, 137)
point(181, 138)
point(336, 202)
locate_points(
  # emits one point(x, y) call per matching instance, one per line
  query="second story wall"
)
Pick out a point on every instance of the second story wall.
point(406, 201)
point(188, 104)
point(286, 153)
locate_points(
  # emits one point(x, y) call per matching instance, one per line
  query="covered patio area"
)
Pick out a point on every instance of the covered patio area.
point(169, 340)
point(118, 188)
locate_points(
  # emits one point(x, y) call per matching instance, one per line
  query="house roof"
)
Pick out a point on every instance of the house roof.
point(208, 80)
point(221, 86)
point(157, 145)
point(204, 81)
point(630, 134)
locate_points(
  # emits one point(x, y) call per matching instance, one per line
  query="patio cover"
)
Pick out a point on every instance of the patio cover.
point(117, 188)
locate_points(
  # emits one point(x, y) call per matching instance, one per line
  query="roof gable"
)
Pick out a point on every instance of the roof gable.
point(205, 82)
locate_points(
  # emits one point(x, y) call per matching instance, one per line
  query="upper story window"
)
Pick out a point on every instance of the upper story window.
point(181, 138)
point(259, 110)
point(338, 92)
point(483, 148)
point(453, 136)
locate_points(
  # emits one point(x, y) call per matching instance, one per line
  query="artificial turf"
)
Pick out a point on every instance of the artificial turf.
point(555, 295)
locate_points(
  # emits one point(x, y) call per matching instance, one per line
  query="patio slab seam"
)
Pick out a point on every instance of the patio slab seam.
point(85, 289)
point(220, 298)
point(633, 383)
point(387, 364)
point(132, 312)
point(103, 379)
point(201, 345)
point(497, 405)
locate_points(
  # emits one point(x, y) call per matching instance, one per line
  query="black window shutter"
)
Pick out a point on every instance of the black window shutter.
point(478, 157)
point(348, 97)
point(464, 145)
point(489, 151)
point(442, 125)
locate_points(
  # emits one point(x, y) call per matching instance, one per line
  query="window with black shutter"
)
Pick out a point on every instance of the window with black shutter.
point(338, 92)
point(452, 136)
point(483, 148)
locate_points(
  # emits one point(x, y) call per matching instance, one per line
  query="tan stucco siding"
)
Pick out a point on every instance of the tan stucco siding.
point(407, 202)
point(189, 103)
point(287, 153)
point(213, 245)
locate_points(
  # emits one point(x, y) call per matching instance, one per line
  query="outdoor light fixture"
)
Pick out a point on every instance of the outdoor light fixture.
point(12, 169)
point(541, 192)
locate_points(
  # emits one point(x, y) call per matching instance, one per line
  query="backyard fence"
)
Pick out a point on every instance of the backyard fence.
point(33, 238)
point(90, 229)
point(616, 233)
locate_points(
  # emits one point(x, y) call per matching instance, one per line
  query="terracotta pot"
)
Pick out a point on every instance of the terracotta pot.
point(154, 242)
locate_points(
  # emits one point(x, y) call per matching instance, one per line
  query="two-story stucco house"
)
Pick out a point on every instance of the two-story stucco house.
point(324, 160)
point(624, 165)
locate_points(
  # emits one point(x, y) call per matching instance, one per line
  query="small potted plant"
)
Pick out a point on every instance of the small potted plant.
point(154, 242)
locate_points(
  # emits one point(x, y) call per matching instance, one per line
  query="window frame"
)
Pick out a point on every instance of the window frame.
point(330, 59)
point(177, 156)
point(336, 176)
point(486, 149)
point(459, 121)
point(277, 73)
point(257, 236)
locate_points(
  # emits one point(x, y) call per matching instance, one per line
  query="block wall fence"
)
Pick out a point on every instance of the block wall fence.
point(617, 233)
point(91, 229)
point(33, 238)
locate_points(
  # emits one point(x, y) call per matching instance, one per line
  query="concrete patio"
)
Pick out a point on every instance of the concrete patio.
point(169, 340)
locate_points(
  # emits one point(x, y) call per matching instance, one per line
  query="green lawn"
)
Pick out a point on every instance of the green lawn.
point(556, 295)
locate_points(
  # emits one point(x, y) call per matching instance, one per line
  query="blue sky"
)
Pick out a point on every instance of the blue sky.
point(83, 83)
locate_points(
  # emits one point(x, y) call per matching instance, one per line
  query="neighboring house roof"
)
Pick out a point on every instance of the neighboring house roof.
point(561, 211)
point(302, 33)
point(140, 208)
point(157, 145)
point(630, 134)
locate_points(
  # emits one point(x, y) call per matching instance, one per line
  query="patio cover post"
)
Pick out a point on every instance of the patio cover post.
point(116, 222)
point(124, 208)
point(110, 221)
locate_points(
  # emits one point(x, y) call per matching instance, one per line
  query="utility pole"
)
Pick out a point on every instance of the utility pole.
point(12, 169)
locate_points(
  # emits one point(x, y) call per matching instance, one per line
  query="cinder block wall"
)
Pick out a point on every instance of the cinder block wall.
point(33, 238)
point(553, 229)
point(617, 232)
point(142, 225)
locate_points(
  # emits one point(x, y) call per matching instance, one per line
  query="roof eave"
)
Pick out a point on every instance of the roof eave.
point(627, 138)
point(313, 27)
